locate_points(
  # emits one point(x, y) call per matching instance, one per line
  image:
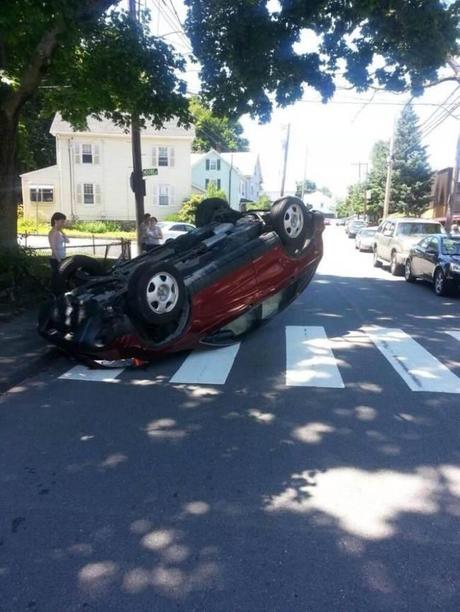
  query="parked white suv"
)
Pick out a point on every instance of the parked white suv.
point(395, 238)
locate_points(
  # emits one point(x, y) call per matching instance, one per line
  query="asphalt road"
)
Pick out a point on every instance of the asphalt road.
point(138, 494)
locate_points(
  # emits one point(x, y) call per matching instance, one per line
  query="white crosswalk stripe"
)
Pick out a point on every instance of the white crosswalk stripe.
point(210, 367)
point(310, 361)
point(417, 367)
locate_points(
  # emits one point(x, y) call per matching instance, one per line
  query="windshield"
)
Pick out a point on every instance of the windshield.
point(415, 229)
point(451, 247)
point(368, 232)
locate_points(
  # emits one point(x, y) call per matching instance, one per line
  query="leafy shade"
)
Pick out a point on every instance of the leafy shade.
point(213, 132)
point(252, 55)
point(412, 175)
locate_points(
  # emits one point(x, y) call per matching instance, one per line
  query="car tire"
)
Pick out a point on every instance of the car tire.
point(78, 270)
point(377, 262)
point(440, 283)
point(156, 293)
point(215, 210)
point(292, 222)
point(395, 267)
point(410, 278)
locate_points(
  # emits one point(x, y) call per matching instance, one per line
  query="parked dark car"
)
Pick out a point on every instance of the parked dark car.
point(209, 286)
point(436, 259)
point(354, 227)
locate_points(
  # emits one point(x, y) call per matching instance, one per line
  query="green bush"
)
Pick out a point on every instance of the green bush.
point(188, 210)
point(23, 275)
point(96, 227)
point(173, 217)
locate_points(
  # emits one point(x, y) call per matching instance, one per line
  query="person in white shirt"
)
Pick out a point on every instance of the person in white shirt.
point(57, 241)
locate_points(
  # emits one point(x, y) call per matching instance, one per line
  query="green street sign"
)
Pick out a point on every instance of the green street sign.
point(150, 172)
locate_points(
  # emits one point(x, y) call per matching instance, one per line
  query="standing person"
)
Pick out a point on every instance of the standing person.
point(153, 235)
point(144, 230)
point(57, 241)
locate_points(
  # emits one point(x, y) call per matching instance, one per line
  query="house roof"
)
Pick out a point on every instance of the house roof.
point(245, 161)
point(51, 171)
point(106, 126)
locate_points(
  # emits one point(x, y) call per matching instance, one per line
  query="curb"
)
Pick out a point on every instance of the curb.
point(46, 356)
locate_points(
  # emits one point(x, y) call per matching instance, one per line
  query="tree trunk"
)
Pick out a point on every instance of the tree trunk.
point(8, 179)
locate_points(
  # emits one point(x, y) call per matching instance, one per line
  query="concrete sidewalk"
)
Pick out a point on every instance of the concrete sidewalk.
point(22, 350)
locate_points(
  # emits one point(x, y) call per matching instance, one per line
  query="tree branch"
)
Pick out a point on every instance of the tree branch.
point(44, 51)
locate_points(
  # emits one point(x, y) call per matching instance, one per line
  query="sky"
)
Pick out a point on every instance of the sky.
point(327, 140)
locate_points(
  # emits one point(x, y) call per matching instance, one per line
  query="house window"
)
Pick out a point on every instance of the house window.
point(88, 193)
point(163, 158)
point(216, 182)
point(42, 193)
point(86, 154)
point(164, 196)
point(213, 164)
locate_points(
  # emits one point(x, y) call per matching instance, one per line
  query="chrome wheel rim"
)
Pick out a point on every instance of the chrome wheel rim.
point(162, 293)
point(293, 221)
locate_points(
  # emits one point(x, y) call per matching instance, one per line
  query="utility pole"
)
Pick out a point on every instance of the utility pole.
point(286, 149)
point(362, 165)
point(454, 188)
point(137, 181)
point(386, 203)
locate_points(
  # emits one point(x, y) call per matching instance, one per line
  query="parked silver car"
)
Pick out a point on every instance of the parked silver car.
point(365, 239)
point(395, 238)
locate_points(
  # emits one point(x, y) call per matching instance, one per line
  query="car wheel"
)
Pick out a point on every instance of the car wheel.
point(156, 293)
point(169, 240)
point(410, 278)
point(377, 262)
point(292, 222)
point(78, 270)
point(395, 267)
point(441, 285)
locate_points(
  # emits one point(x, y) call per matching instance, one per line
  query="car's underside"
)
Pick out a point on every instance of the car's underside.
point(205, 286)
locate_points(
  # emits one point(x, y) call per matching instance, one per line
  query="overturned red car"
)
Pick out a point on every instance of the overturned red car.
point(208, 287)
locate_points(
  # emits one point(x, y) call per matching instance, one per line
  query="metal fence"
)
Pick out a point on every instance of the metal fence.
point(93, 246)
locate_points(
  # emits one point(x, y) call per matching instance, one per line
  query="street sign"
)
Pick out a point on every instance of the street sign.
point(150, 172)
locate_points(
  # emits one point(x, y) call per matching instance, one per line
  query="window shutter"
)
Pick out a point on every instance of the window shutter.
point(171, 157)
point(155, 195)
point(79, 193)
point(207, 164)
point(218, 164)
point(97, 194)
point(171, 194)
point(95, 154)
point(76, 152)
point(154, 157)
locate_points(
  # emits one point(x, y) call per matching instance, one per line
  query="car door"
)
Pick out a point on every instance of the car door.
point(430, 258)
point(417, 257)
point(385, 240)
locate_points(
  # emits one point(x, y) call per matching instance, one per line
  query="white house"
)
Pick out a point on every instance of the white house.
point(237, 174)
point(91, 179)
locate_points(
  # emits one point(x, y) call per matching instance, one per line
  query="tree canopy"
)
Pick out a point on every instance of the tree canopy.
point(309, 187)
point(412, 175)
point(251, 54)
point(377, 178)
point(211, 131)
